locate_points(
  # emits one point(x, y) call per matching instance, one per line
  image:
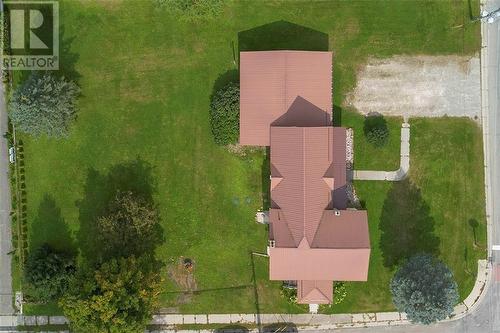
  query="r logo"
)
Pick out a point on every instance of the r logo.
point(32, 42)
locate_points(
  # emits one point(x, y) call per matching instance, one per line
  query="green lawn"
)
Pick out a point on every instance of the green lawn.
point(146, 81)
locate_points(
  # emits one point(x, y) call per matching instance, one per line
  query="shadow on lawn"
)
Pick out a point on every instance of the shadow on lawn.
point(406, 225)
point(49, 227)
point(282, 35)
point(67, 60)
point(100, 190)
point(230, 76)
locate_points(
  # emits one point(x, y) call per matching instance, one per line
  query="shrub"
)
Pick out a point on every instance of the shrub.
point(192, 9)
point(225, 114)
point(47, 273)
point(340, 292)
point(376, 131)
point(289, 293)
point(424, 288)
point(44, 104)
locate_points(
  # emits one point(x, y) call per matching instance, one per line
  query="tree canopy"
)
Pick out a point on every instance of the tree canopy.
point(130, 227)
point(47, 274)
point(118, 297)
point(44, 104)
point(118, 291)
point(424, 288)
point(225, 114)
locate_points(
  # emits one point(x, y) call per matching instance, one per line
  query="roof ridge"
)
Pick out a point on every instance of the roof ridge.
point(304, 181)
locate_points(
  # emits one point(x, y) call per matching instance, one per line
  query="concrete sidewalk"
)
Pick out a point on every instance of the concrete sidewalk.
point(391, 175)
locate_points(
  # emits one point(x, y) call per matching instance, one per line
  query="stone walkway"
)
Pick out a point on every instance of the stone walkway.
point(391, 175)
point(304, 322)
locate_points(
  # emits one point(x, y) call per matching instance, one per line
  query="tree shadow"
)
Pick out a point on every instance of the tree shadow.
point(473, 223)
point(374, 121)
point(100, 189)
point(67, 58)
point(280, 327)
point(67, 61)
point(471, 12)
point(255, 292)
point(232, 329)
point(230, 76)
point(282, 35)
point(49, 227)
point(406, 226)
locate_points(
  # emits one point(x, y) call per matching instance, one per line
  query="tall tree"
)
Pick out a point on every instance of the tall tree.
point(129, 228)
point(44, 104)
point(424, 288)
point(119, 297)
point(47, 274)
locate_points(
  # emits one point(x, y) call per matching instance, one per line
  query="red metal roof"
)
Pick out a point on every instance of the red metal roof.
point(271, 82)
point(317, 292)
point(286, 103)
point(319, 264)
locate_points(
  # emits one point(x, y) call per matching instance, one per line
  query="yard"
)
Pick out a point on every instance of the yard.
point(146, 80)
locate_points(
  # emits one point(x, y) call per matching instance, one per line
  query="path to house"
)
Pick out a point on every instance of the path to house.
point(404, 165)
point(5, 207)
point(305, 322)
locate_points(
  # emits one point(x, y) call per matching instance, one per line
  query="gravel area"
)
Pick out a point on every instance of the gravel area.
point(422, 86)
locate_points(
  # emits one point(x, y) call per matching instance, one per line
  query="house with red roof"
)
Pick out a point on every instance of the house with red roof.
point(314, 238)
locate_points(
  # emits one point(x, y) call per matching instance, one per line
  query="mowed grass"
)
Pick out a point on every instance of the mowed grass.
point(146, 80)
point(443, 194)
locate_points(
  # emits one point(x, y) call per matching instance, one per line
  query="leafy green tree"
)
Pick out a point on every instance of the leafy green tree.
point(424, 288)
point(119, 297)
point(47, 274)
point(376, 131)
point(131, 227)
point(44, 104)
point(225, 114)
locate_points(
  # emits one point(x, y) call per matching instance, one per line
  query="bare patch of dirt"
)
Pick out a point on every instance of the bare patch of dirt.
point(419, 86)
point(242, 151)
point(183, 275)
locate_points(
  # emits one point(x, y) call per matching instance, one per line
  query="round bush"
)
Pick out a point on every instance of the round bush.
point(376, 130)
point(424, 288)
point(225, 114)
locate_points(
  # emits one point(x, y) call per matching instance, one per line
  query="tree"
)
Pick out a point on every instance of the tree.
point(47, 274)
point(424, 288)
point(376, 131)
point(119, 297)
point(225, 114)
point(44, 104)
point(131, 227)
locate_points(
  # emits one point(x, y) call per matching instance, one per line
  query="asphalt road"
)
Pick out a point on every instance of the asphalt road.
point(5, 224)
